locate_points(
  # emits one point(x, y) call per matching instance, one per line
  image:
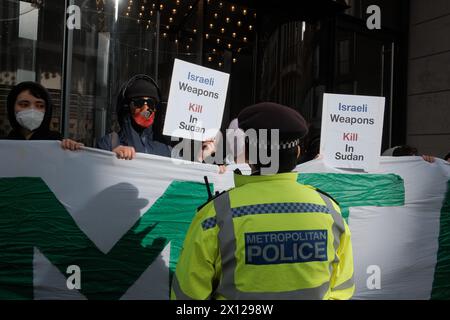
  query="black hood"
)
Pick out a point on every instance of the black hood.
point(37, 91)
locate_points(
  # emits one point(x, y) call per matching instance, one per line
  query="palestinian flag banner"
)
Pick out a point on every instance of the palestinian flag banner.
point(85, 225)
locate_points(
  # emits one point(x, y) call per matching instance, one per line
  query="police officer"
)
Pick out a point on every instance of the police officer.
point(269, 237)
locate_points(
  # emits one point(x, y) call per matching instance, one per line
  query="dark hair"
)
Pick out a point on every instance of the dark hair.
point(404, 150)
point(37, 91)
point(447, 156)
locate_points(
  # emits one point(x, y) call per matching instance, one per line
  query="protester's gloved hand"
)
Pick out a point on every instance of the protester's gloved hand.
point(68, 144)
point(124, 152)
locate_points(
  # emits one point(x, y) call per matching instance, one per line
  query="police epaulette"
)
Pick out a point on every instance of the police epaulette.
point(326, 194)
point(211, 199)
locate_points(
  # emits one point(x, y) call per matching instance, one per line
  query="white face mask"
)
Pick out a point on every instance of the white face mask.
point(30, 118)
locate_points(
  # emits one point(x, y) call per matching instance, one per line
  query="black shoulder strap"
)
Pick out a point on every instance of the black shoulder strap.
point(326, 194)
point(211, 199)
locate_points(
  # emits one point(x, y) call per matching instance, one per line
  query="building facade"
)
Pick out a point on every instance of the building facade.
point(289, 52)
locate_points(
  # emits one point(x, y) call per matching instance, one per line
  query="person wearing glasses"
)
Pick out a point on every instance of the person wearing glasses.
point(138, 105)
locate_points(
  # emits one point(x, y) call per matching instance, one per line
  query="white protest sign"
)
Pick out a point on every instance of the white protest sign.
point(352, 128)
point(196, 101)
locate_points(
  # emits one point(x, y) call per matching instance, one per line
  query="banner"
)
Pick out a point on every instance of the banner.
point(85, 225)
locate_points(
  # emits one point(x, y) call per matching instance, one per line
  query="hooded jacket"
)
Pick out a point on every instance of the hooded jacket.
point(143, 140)
point(43, 132)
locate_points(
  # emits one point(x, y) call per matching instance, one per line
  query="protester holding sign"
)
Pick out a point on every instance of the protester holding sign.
point(140, 115)
point(138, 104)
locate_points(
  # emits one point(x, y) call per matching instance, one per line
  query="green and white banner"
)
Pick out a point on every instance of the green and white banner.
point(85, 225)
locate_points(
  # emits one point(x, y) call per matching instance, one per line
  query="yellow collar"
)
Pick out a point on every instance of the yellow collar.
point(240, 180)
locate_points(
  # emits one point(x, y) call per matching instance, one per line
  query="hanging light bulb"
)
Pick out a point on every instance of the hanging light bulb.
point(174, 11)
point(244, 12)
point(216, 15)
point(170, 19)
point(211, 26)
point(178, 2)
point(227, 20)
point(207, 36)
point(176, 41)
point(187, 47)
point(233, 34)
point(209, 59)
point(142, 8)
point(164, 35)
point(220, 64)
point(218, 40)
point(233, 8)
point(239, 23)
point(229, 46)
point(161, 7)
point(222, 30)
point(214, 50)
point(195, 31)
point(250, 27)
point(245, 39)
point(234, 60)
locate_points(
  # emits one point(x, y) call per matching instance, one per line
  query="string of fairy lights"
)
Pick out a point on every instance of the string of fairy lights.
point(225, 26)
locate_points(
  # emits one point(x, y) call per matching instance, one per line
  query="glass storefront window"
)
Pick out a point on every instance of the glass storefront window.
point(84, 68)
point(267, 57)
point(31, 35)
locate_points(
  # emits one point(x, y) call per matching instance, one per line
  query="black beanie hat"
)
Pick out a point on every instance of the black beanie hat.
point(142, 88)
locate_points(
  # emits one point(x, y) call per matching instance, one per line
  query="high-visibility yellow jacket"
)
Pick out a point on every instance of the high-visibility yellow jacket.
point(268, 238)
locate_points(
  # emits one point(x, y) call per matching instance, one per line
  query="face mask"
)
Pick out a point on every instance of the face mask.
point(144, 119)
point(30, 118)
